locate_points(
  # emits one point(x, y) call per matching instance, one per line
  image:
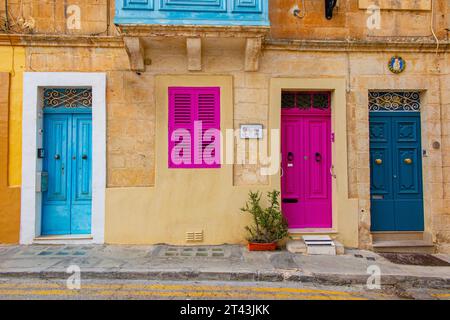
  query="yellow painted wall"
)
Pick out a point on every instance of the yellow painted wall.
point(141, 206)
point(194, 200)
point(12, 62)
point(182, 200)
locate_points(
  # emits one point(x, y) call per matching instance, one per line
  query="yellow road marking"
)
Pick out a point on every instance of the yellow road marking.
point(175, 290)
point(31, 285)
point(220, 294)
point(441, 295)
point(214, 288)
point(179, 287)
point(171, 294)
point(13, 292)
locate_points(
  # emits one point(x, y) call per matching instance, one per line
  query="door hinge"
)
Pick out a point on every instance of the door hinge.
point(42, 182)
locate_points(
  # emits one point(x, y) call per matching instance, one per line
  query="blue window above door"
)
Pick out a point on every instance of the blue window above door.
point(193, 12)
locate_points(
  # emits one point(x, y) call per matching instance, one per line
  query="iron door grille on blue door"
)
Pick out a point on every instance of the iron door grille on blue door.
point(66, 205)
point(396, 162)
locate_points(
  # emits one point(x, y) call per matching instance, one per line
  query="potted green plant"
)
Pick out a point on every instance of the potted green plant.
point(269, 224)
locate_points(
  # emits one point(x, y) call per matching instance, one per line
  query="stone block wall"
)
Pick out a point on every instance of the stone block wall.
point(350, 19)
point(251, 106)
point(408, 19)
point(369, 72)
point(51, 16)
point(130, 103)
point(442, 221)
point(131, 109)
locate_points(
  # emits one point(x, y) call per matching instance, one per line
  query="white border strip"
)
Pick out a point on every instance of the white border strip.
point(32, 124)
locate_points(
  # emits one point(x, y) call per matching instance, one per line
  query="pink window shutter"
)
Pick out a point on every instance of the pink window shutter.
point(208, 119)
point(180, 128)
point(194, 127)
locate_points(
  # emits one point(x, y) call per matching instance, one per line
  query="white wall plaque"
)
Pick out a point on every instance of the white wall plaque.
point(251, 131)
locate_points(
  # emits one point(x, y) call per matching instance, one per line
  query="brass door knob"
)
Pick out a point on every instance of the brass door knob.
point(407, 161)
point(378, 161)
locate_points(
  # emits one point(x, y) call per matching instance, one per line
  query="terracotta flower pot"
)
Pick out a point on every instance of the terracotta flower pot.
point(253, 246)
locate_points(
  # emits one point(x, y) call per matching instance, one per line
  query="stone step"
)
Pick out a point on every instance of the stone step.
point(299, 233)
point(299, 246)
point(406, 246)
point(296, 246)
point(398, 236)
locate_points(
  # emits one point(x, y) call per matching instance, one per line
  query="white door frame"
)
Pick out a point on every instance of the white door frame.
point(32, 125)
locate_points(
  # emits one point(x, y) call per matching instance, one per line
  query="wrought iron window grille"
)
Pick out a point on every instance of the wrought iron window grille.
point(305, 100)
point(67, 98)
point(394, 101)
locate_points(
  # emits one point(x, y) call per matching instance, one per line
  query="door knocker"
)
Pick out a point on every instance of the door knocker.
point(290, 157)
point(318, 157)
point(407, 161)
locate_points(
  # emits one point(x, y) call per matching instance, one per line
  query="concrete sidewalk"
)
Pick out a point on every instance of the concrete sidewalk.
point(222, 263)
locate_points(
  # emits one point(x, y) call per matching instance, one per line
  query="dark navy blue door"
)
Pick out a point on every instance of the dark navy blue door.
point(396, 171)
point(66, 202)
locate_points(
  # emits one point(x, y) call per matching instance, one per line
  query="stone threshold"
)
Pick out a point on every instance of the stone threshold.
point(312, 231)
point(64, 239)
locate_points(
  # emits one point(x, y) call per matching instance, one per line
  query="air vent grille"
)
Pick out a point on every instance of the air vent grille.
point(194, 236)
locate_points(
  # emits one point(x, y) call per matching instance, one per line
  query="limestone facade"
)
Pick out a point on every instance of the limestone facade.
point(131, 109)
point(312, 47)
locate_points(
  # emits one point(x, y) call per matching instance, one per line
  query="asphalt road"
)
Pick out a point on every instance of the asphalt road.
point(19, 288)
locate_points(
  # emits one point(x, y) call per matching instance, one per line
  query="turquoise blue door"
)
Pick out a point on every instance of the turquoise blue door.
point(66, 202)
point(396, 171)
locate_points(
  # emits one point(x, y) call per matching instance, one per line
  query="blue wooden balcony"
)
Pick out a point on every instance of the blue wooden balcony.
point(193, 12)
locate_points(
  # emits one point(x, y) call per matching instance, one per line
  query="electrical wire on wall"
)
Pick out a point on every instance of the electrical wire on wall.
point(6, 15)
point(16, 23)
point(300, 13)
point(432, 27)
point(5, 26)
point(108, 20)
point(13, 60)
point(5, 20)
point(433, 33)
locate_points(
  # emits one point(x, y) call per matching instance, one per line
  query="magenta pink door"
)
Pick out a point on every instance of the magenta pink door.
point(306, 160)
